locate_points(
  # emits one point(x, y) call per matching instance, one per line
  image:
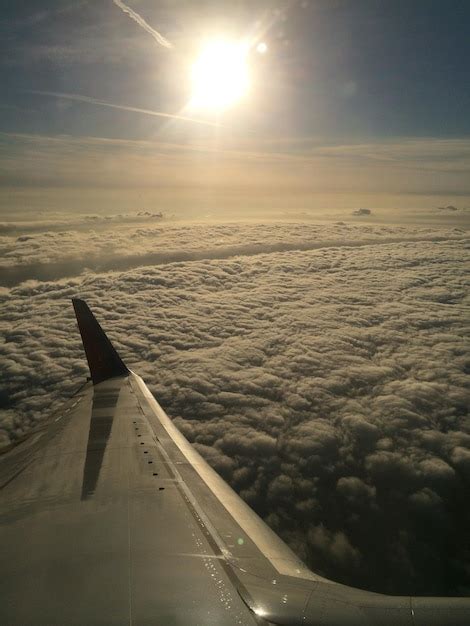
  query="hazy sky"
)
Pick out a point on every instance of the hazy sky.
point(350, 97)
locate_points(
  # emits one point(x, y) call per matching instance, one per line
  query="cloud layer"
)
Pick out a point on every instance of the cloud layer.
point(191, 155)
point(326, 384)
point(49, 250)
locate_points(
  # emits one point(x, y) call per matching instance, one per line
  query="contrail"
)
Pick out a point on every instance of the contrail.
point(141, 22)
point(122, 107)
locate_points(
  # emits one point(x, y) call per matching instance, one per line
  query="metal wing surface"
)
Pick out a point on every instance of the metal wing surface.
point(109, 516)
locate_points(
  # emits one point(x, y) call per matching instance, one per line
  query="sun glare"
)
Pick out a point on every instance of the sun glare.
point(220, 75)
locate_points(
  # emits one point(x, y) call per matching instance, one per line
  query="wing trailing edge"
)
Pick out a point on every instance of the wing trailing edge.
point(103, 360)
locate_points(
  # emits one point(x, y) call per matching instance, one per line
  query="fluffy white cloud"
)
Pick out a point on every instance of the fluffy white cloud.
point(325, 381)
point(49, 250)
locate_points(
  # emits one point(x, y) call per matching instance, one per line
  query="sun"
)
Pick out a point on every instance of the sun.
point(220, 75)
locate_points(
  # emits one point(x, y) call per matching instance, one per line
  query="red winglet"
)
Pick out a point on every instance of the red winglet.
point(103, 360)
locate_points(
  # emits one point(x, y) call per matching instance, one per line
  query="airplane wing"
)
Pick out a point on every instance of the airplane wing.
point(108, 516)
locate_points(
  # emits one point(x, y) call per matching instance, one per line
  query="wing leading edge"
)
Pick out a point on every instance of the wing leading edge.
point(110, 516)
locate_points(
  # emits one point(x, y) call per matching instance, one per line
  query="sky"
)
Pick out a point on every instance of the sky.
point(365, 98)
point(316, 354)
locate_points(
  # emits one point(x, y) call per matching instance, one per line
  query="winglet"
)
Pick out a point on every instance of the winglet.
point(103, 360)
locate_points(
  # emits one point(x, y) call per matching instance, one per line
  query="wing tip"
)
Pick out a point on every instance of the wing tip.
point(103, 360)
